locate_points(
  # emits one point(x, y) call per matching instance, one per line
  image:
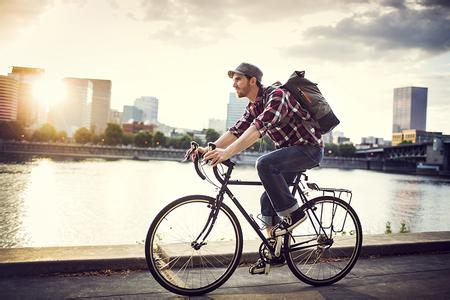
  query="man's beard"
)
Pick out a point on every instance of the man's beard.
point(243, 92)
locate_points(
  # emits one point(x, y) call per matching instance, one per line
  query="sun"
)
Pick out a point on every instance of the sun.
point(49, 91)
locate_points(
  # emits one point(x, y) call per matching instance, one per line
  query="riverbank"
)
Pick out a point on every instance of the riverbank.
point(14, 151)
point(17, 151)
point(48, 260)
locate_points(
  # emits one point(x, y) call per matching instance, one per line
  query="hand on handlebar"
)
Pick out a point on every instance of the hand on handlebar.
point(199, 152)
point(194, 152)
point(216, 156)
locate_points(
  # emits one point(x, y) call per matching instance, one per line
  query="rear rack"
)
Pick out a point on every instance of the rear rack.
point(343, 194)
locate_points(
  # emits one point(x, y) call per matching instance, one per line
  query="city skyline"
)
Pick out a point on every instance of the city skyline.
point(145, 106)
point(180, 52)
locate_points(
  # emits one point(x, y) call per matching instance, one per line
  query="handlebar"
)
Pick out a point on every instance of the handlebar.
point(211, 146)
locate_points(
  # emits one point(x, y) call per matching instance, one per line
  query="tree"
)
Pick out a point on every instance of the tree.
point(11, 130)
point(98, 138)
point(347, 150)
point(61, 136)
point(331, 150)
point(127, 138)
point(143, 139)
point(173, 142)
point(184, 142)
point(113, 134)
point(211, 135)
point(45, 133)
point(159, 139)
point(83, 135)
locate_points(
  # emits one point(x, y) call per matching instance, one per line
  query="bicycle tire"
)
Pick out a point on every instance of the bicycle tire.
point(166, 255)
point(325, 261)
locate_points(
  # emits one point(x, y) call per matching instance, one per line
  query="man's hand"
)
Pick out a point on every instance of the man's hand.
point(193, 153)
point(217, 156)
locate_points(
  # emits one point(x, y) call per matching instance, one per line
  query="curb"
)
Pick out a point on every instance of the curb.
point(51, 260)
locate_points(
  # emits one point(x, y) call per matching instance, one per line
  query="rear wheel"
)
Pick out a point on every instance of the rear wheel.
point(324, 248)
point(183, 266)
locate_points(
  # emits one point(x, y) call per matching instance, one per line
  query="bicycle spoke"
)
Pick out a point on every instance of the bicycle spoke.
point(333, 252)
point(178, 264)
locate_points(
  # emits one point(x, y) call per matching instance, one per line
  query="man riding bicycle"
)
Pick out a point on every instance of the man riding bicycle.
point(271, 110)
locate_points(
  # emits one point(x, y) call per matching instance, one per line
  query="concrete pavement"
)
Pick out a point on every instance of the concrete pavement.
point(34, 261)
point(391, 277)
point(95, 272)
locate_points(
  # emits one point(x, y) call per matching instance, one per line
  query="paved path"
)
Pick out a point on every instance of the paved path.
point(27, 261)
point(391, 277)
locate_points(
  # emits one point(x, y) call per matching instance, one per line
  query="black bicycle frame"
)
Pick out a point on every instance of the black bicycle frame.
point(225, 181)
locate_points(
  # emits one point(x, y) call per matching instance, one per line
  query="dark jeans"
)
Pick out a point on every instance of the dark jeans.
point(278, 168)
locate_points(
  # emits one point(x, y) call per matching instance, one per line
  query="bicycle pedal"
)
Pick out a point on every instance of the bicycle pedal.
point(267, 269)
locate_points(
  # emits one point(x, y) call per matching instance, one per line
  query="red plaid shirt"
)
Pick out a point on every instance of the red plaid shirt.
point(277, 113)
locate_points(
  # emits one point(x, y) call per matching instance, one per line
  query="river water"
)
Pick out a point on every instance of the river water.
point(45, 202)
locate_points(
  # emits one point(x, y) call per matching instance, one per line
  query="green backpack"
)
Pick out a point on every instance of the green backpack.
point(310, 98)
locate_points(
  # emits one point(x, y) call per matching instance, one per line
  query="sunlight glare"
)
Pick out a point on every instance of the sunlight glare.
point(49, 91)
point(42, 214)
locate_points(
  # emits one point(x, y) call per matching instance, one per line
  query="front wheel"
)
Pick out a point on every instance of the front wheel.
point(324, 248)
point(181, 262)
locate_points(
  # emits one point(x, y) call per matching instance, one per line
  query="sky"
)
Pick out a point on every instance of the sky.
point(180, 52)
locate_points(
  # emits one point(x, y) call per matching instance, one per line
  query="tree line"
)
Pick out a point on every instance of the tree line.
point(114, 135)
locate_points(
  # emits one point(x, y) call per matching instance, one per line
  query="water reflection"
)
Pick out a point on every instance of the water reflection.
point(61, 203)
point(406, 204)
point(42, 217)
point(13, 179)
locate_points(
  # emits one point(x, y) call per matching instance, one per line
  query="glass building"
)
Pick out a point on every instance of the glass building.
point(8, 98)
point(149, 106)
point(410, 108)
point(101, 100)
point(28, 107)
point(75, 111)
point(131, 114)
point(235, 110)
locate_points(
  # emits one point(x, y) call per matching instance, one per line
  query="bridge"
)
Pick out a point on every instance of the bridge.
point(423, 158)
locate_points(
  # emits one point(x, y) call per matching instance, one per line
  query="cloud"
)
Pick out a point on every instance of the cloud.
point(424, 29)
point(199, 21)
point(441, 3)
point(394, 3)
point(18, 14)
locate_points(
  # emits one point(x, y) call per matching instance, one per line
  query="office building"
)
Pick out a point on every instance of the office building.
point(414, 136)
point(372, 141)
point(149, 107)
point(9, 90)
point(235, 109)
point(336, 137)
point(29, 110)
point(131, 114)
point(410, 109)
point(217, 125)
point(166, 129)
point(101, 100)
point(74, 111)
point(328, 138)
point(341, 140)
point(115, 117)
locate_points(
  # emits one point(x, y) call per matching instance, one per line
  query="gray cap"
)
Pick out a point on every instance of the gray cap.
point(248, 70)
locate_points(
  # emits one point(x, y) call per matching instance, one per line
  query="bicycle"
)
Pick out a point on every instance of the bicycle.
point(194, 244)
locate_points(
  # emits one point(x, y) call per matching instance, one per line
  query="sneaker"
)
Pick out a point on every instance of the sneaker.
point(260, 267)
point(296, 218)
